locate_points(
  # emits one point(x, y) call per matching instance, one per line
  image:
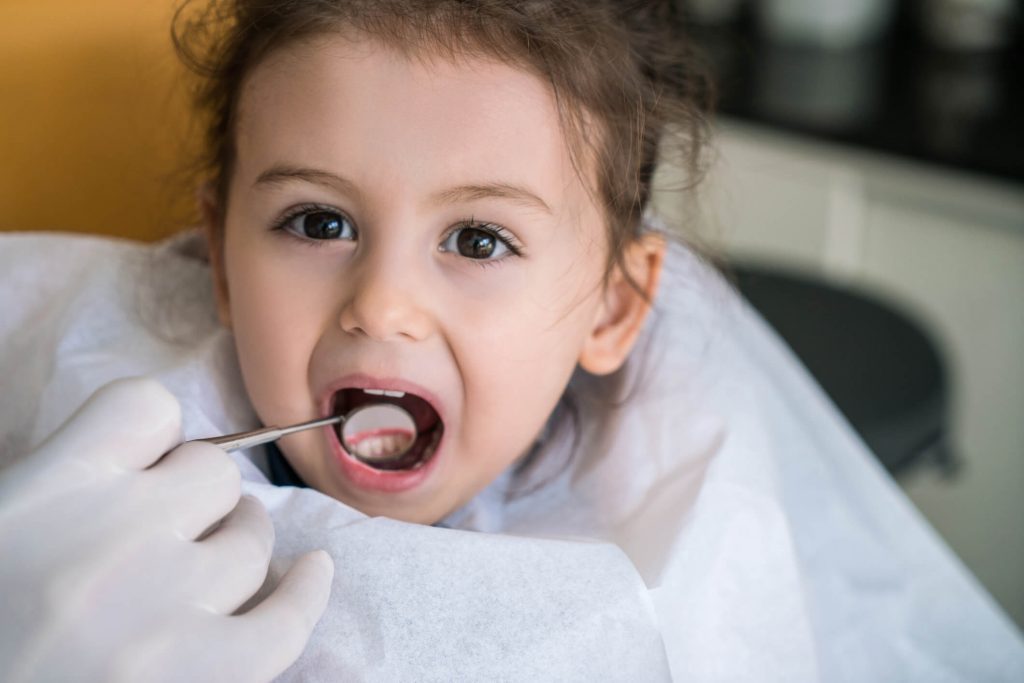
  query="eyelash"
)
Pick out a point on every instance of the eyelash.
point(281, 224)
point(499, 231)
point(502, 233)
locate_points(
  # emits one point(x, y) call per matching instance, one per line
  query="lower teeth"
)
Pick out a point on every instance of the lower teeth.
point(385, 451)
point(382, 446)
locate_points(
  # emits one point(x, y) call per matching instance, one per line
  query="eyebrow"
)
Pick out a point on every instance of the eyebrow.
point(284, 173)
point(514, 193)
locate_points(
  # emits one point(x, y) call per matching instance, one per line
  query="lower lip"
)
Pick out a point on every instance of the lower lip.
point(381, 481)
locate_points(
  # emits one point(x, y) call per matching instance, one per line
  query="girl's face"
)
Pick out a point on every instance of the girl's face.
point(412, 226)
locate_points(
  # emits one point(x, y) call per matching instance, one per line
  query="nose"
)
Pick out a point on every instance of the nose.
point(385, 303)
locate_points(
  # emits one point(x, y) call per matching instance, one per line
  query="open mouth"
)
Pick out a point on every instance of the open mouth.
point(385, 448)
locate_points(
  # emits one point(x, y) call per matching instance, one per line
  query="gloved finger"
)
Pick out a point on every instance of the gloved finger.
point(271, 636)
point(193, 487)
point(128, 423)
point(233, 560)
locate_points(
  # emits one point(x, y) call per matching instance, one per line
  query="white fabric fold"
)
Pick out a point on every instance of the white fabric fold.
point(706, 514)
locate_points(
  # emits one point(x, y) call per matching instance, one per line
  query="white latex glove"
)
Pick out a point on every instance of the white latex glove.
point(101, 573)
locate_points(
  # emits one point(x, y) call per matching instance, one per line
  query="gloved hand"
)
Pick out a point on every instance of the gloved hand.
point(109, 569)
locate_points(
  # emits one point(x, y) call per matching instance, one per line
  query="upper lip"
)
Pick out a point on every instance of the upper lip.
point(363, 381)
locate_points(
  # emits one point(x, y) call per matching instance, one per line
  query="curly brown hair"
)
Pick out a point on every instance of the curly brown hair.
point(627, 82)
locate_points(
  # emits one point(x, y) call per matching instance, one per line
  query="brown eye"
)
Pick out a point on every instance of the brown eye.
point(321, 225)
point(475, 243)
point(478, 243)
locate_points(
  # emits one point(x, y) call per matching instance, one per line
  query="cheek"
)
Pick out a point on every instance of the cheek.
point(526, 334)
point(515, 367)
point(275, 331)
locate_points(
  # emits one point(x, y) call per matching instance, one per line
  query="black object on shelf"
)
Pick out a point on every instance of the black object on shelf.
point(879, 367)
point(900, 96)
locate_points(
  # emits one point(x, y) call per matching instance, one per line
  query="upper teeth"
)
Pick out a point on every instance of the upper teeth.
point(383, 392)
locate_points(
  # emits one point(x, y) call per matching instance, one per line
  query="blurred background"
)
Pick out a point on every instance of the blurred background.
point(95, 128)
point(866, 192)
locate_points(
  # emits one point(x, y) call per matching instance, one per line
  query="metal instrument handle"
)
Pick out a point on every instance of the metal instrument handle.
point(234, 442)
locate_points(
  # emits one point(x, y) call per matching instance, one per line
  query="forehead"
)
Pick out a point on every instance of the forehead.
point(332, 100)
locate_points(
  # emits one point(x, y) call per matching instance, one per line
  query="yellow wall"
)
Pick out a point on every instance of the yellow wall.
point(94, 118)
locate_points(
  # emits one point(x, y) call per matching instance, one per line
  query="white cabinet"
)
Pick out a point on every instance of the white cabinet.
point(751, 189)
point(967, 278)
point(947, 247)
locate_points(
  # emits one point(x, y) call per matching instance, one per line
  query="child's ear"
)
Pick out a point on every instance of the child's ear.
point(212, 221)
point(624, 308)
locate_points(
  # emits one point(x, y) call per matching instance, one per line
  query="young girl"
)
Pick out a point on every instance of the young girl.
point(444, 205)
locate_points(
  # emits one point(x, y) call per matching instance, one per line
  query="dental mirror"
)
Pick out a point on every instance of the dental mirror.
point(374, 432)
point(381, 431)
